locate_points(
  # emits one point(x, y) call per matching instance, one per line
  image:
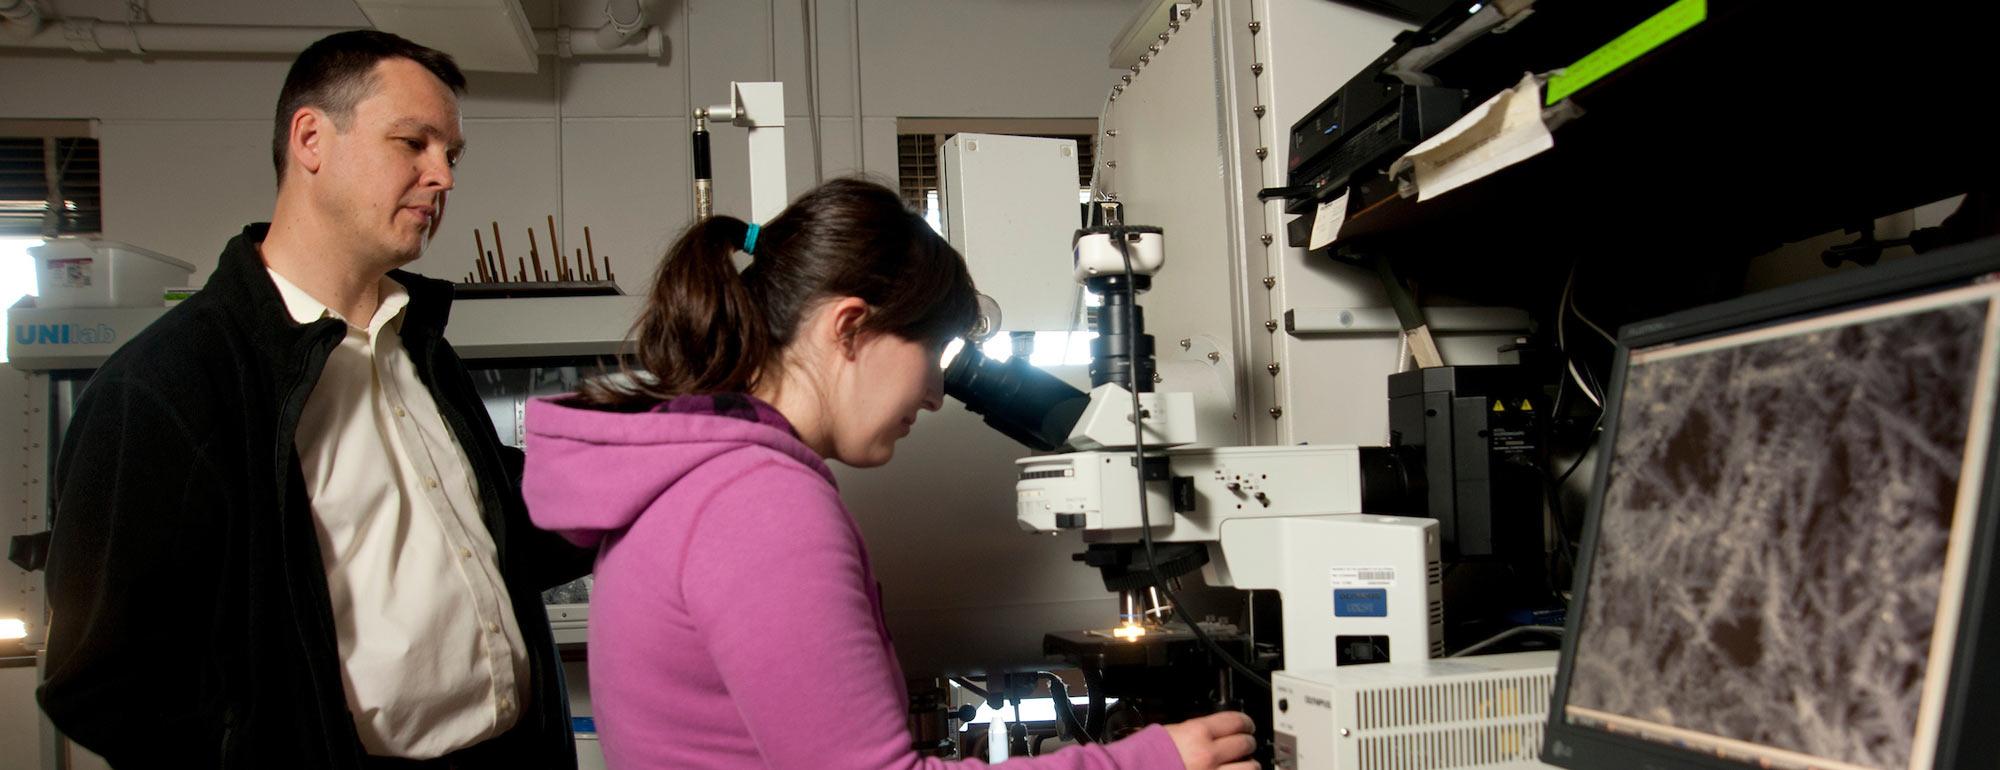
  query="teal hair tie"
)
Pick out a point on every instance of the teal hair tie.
point(750, 238)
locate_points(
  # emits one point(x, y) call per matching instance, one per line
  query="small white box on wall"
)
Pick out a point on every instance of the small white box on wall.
point(1011, 207)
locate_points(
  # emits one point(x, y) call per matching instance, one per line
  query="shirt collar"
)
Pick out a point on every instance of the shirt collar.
point(304, 309)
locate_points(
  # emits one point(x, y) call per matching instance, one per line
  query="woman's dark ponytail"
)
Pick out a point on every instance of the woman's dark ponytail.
point(702, 330)
point(708, 328)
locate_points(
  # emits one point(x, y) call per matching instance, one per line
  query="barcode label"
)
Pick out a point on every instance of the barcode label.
point(1364, 577)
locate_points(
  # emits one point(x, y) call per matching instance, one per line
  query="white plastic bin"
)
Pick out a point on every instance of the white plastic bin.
point(79, 272)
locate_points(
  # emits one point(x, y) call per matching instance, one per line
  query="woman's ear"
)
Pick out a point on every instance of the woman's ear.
point(845, 317)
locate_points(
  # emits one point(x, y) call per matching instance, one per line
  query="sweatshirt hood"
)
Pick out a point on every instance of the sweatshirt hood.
point(592, 473)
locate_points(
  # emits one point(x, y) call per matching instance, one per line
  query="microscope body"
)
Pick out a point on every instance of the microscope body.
point(1354, 587)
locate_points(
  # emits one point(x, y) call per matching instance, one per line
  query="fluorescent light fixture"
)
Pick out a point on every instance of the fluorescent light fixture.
point(1032, 710)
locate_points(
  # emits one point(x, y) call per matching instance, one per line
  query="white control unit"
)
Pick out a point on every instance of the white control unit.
point(1478, 713)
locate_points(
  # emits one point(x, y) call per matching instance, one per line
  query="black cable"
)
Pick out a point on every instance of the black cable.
point(1554, 490)
point(1065, 710)
point(1572, 466)
point(1017, 729)
point(1555, 482)
point(1139, 463)
point(1552, 562)
point(1505, 635)
point(1093, 684)
point(1562, 387)
point(1594, 428)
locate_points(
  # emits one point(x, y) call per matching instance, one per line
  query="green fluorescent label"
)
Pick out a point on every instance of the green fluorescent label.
point(1664, 26)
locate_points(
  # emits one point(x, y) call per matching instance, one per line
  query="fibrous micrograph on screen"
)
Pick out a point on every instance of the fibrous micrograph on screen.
point(1774, 530)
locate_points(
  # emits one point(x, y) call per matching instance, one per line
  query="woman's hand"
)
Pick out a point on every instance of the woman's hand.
point(1216, 742)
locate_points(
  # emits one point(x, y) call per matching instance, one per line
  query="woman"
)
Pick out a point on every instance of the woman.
point(734, 621)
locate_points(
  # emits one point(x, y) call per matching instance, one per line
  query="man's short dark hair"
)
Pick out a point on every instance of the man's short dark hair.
point(337, 72)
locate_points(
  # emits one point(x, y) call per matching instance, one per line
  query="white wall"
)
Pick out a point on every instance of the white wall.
point(598, 143)
point(1198, 175)
point(603, 144)
point(19, 718)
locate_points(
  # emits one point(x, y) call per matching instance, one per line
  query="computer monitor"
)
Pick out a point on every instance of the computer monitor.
point(1788, 557)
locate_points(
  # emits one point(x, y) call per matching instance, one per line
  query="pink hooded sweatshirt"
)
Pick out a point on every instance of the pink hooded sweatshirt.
point(734, 621)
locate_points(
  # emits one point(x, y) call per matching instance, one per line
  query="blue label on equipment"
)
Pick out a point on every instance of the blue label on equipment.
point(1360, 603)
point(63, 334)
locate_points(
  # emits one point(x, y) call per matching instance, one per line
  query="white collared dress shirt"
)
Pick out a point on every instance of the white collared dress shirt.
point(431, 656)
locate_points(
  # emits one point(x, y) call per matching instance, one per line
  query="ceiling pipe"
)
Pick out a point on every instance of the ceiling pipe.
point(94, 37)
point(650, 42)
point(624, 21)
point(20, 18)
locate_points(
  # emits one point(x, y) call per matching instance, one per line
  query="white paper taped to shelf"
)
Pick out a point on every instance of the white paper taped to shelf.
point(1327, 222)
point(1506, 130)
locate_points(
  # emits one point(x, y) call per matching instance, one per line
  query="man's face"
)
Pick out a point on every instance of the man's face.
point(383, 180)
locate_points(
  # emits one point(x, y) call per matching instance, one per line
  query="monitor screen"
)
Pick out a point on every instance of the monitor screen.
point(1780, 537)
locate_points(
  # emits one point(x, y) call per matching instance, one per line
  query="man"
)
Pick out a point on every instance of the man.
point(286, 534)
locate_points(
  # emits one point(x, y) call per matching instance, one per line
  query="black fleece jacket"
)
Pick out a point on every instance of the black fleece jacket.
point(190, 622)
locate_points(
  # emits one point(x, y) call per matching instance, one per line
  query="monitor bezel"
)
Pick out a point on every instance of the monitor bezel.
point(1973, 681)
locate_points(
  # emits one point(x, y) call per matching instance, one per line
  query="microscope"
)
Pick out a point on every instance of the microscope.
point(1118, 466)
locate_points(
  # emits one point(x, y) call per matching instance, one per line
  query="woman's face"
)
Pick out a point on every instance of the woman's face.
point(885, 382)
